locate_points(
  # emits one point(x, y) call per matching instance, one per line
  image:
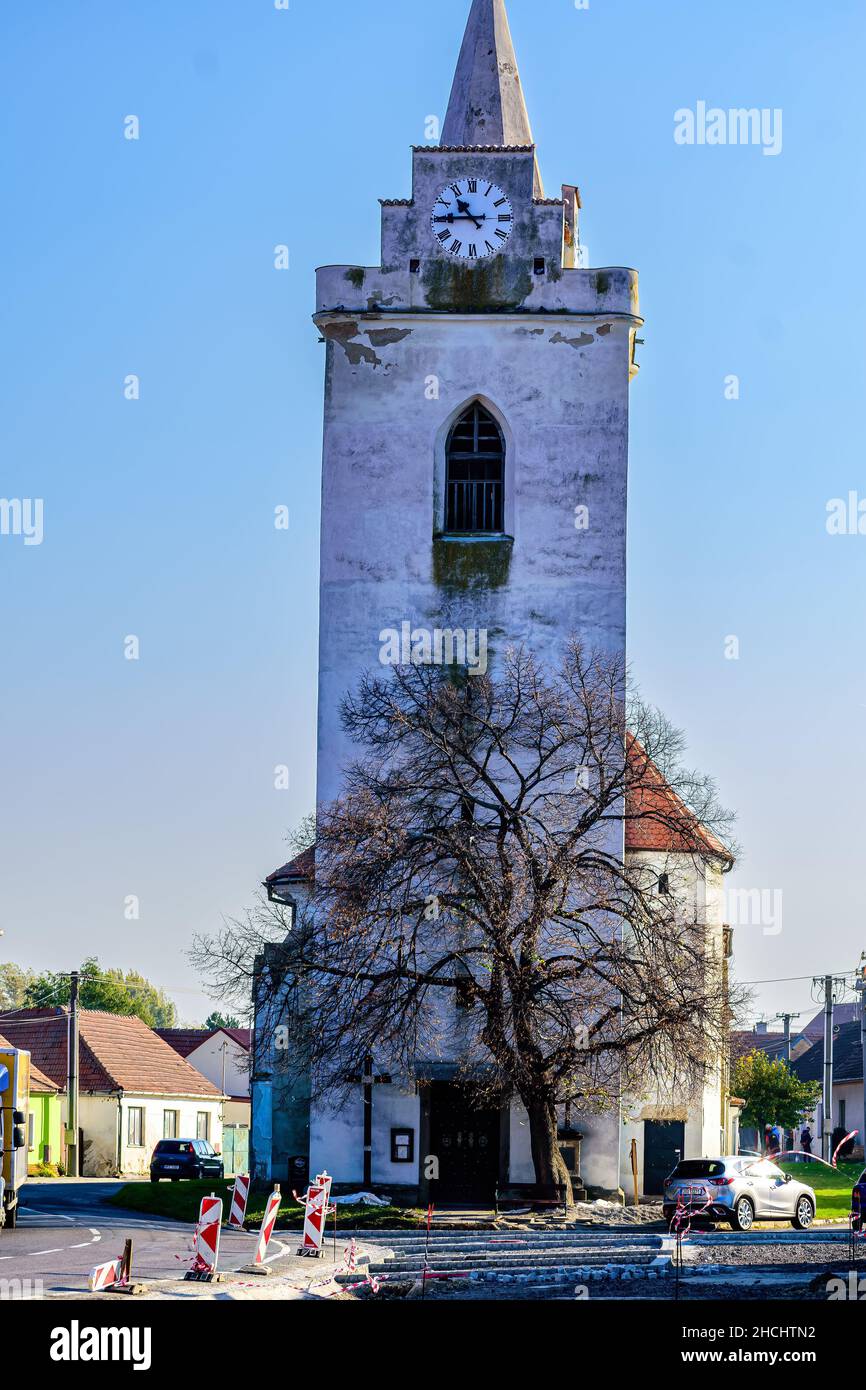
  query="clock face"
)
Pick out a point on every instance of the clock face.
point(472, 219)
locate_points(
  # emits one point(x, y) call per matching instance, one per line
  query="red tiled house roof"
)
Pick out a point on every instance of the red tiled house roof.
point(38, 1080)
point(116, 1053)
point(186, 1040)
point(183, 1040)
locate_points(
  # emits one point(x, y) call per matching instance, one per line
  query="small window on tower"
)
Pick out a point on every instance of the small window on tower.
point(539, 265)
point(414, 267)
point(475, 477)
point(665, 884)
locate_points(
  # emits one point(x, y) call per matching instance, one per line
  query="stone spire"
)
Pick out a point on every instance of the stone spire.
point(487, 105)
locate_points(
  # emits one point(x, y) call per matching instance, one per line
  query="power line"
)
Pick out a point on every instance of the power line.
point(790, 979)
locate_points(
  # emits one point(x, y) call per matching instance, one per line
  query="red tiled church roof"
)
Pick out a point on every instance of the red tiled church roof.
point(657, 819)
point(298, 870)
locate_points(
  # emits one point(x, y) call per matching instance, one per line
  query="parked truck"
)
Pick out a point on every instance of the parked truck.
point(14, 1109)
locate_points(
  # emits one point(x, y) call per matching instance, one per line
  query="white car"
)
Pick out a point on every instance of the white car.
point(739, 1190)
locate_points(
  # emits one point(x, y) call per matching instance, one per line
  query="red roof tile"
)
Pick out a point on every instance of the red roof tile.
point(39, 1082)
point(183, 1040)
point(298, 870)
point(657, 819)
point(116, 1053)
point(186, 1040)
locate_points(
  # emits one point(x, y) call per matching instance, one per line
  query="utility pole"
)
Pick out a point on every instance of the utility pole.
point(827, 1106)
point(72, 1079)
point(786, 1019)
point(828, 983)
point(861, 987)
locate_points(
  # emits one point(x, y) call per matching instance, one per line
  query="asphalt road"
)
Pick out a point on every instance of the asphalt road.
point(64, 1230)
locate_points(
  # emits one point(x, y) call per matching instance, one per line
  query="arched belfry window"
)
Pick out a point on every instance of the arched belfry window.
point(475, 473)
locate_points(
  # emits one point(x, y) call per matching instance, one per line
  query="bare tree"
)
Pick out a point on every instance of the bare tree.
point(476, 858)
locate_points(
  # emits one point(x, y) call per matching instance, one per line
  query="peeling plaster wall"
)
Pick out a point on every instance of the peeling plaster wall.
point(563, 404)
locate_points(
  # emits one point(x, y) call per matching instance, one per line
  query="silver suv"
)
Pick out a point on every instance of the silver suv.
point(739, 1190)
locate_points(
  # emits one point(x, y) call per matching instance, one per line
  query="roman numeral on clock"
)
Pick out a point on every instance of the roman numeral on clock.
point(473, 250)
point(443, 236)
point(455, 246)
point(503, 236)
point(473, 185)
point(500, 202)
point(490, 248)
point(457, 189)
point(505, 217)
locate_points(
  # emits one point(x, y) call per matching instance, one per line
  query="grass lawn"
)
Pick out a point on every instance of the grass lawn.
point(181, 1201)
point(832, 1186)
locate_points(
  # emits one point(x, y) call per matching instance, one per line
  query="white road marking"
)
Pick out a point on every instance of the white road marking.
point(40, 1211)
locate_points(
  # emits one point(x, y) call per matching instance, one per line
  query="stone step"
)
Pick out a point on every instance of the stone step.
point(517, 1262)
point(563, 1241)
point(555, 1274)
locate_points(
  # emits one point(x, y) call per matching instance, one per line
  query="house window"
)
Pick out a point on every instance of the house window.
point(842, 1108)
point(135, 1127)
point(664, 884)
point(31, 1130)
point(169, 1124)
point(202, 1124)
point(475, 474)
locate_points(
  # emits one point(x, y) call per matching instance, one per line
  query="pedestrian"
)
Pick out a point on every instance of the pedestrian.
point(806, 1140)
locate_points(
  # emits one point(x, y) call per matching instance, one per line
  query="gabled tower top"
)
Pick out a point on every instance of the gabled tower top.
point(487, 106)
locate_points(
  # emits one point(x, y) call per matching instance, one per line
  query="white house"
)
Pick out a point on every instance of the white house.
point(223, 1056)
point(133, 1088)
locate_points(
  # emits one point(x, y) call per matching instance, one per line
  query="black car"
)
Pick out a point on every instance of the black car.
point(185, 1158)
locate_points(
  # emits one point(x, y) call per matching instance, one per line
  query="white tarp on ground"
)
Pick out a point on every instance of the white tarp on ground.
point(362, 1199)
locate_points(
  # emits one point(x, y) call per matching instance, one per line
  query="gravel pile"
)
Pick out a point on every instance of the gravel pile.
point(719, 1253)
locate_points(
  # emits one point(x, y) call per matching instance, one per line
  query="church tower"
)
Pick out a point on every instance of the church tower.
point(474, 472)
point(476, 408)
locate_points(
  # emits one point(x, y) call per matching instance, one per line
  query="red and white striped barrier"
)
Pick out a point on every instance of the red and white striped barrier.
point(809, 1158)
point(852, 1135)
point(370, 1282)
point(316, 1198)
point(206, 1240)
point(268, 1223)
point(104, 1276)
point(240, 1197)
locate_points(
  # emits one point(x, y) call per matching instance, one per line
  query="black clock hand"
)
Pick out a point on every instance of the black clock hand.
point(464, 208)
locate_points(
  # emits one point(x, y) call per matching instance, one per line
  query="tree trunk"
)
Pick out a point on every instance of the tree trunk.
point(551, 1174)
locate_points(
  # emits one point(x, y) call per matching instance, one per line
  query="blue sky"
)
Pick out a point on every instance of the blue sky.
point(155, 257)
